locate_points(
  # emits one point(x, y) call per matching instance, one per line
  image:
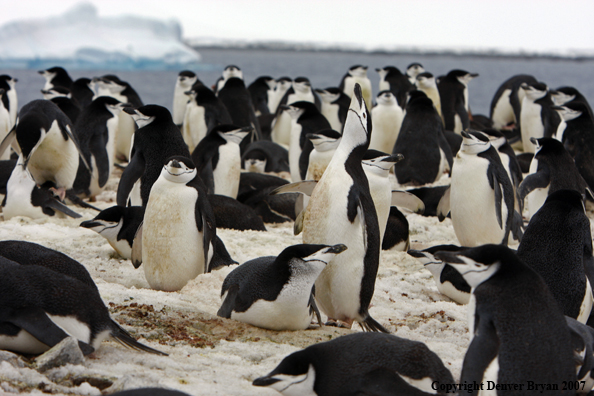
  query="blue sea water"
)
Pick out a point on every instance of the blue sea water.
point(325, 69)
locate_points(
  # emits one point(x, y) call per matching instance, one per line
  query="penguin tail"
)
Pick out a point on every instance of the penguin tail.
point(123, 337)
point(370, 324)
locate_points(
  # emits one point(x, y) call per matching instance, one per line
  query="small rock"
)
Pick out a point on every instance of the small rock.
point(13, 359)
point(131, 381)
point(67, 351)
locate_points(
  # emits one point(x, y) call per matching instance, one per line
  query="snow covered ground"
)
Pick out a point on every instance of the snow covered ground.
point(211, 355)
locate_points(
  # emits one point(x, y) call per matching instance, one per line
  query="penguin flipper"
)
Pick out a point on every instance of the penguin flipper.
point(498, 195)
point(298, 226)
point(8, 139)
point(540, 179)
point(137, 247)
point(483, 349)
point(228, 303)
point(304, 187)
point(443, 207)
point(36, 322)
point(313, 308)
point(131, 174)
point(406, 200)
point(101, 160)
point(123, 337)
point(60, 207)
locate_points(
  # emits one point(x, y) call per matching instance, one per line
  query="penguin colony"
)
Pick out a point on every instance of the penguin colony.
point(529, 305)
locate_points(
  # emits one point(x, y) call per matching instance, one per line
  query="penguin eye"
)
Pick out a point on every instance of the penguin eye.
point(477, 265)
point(364, 115)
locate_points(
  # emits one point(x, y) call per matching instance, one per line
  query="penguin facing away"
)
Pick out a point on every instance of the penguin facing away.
point(426, 83)
point(359, 364)
point(509, 344)
point(506, 104)
point(558, 245)
point(324, 143)
point(230, 71)
point(260, 90)
point(156, 139)
point(277, 292)
point(118, 225)
point(334, 106)
point(453, 93)
point(178, 235)
point(48, 317)
point(342, 197)
point(238, 101)
point(391, 79)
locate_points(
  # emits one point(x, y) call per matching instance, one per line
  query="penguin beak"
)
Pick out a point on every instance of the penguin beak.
point(534, 141)
point(175, 164)
point(358, 95)
point(473, 75)
point(466, 135)
point(130, 110)
point(265, 381)
point(378, 70)
point(285, 107)
point(42, 72)
point(336, 249)
point(320, 91)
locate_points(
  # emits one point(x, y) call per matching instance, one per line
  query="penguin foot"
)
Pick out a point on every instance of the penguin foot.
point(60, 192)
point(339, 323)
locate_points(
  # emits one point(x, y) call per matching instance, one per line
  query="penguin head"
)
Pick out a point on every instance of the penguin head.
point(462, 76)
point(254, 160)
point(11, 82)
point(108, 85)
point(48, 74)
point(561, 96)
point(107, 223)
point(425, 80)
point(283, 83)
point(358, 71)
point(186, 78)
point(427, 257)
point(56, 92)
point(307, 259)
point(231, 133)
point(567, 197)
point(295, 375)
point(324, 140)
point(30, 132)
point(414, 69)
point(232, 71)
point(386, 98)
point(178, 169)
point(148, 114)
point(302, 85)
point(478, 264)
point(547, 147)
point(474, 142)
point(380, 163)
point(357, 126)
point(268, 81)
point(328, 95)
point(388, 71)
point(496, 138)
point(535, 91)
point(570, 111)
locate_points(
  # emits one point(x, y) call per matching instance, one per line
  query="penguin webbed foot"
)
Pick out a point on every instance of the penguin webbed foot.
point(339, 323)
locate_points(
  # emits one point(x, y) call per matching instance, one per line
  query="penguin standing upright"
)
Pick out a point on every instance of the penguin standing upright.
point(341, 209)
point(204, 111)
point(178, 234)
point(218, 153)
point(391, 79)
point(50, 150)
point(453, 93)
point(230, 71)
point(359, 364)
point(96, 131)
point(5, 123)
point(507, 102)
point(537, 117)
point(260, 90)
point(156, 140)
point(426, 83)
point(335, 105)
point(563, 95)
point(185, 81)
point(82, 91)
point(387, 118)
point(357, 75)
point(305, 119)
point(281, 87)
point(325, 143)
point(558, 245)
point(10, 99)
point(421, 141)
point(281, 125)
point(481, 193)
point(63, 98)
point(551, 169)
point(509, 342)
point(238, 101)
point(118, 225)
point(277, 292)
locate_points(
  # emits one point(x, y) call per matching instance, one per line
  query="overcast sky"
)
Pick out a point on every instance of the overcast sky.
point(532, 25)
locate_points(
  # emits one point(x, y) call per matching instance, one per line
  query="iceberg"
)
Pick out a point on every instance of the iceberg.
point(80, 39)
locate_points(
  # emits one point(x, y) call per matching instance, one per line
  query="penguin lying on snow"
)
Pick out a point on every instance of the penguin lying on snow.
point(177, 240)
point(509, 343)
point(34, 318)
point(118, 225)
point(277, 292)
point(449, 281)
point(232, 214)
point(359, 364)
point(265, 156)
